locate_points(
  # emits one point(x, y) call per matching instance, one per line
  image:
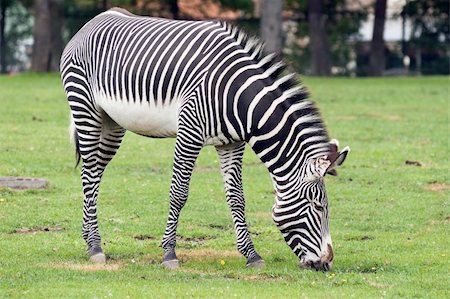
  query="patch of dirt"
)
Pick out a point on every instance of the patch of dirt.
point(436, 187)
point(254, 163)
point(220, 226)
point(413, 163)
point(206, 254)
point(194, 255)
point(144, 237)
point(363, 238)
point(207, 169)
point(22, 183)
point(260, 277)
point(376, 285)
point(263, 215)
point(192, 242)
point(26, 230)
point(88, 267)
point(390, 117)
point(194, 239)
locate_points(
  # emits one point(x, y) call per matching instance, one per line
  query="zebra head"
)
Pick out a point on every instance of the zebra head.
point(303, 219)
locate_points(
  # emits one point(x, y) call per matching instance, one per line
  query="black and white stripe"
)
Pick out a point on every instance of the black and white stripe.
point(205, 83)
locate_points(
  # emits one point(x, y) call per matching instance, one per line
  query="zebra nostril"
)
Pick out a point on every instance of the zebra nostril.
point(317, 265)
point(326, 267)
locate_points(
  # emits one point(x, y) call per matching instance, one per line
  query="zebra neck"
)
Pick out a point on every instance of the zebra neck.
point(272, 113)
point(285, 138)
point(287, 171)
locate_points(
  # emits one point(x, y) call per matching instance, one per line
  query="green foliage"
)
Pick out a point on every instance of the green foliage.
point(389, 228)
point(77, 13)
point(243, 5)
point(342, 26)
point(17, 36)
point(430, 32)
point(430, 22)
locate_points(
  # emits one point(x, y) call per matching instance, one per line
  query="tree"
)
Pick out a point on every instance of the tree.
point(377, 60)
point(57, 42)
point(271, 25)
point(15, 33)
point(3, 6)
point(40, 61)
point(430, 36)
point(320, 52)
point(47, 33)
point(343, 22)
point(174, 9)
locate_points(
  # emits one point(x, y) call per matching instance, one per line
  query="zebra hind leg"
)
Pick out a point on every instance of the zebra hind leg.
point(97, 148)
point(230, 158)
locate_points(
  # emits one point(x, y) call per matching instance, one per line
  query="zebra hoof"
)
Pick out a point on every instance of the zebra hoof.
point(259, 264)
point(96, 255)
point(98, 258)
point(170, 260)
point(256, 262)
point(171, 265)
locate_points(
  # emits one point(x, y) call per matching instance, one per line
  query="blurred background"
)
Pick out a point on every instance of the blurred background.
point(317, 37)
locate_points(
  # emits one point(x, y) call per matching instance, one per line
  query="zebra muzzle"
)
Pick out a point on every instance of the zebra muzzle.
point(324, 264)
point(318, 265)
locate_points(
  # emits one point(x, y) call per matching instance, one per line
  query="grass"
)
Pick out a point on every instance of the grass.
point(389, 221)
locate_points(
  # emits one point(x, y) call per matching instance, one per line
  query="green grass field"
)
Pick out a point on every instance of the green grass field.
point(389, 221)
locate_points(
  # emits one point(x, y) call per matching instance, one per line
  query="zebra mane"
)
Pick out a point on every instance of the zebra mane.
point(255, 47)
point(278, 70)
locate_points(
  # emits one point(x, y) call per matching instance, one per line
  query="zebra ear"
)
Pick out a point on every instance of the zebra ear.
point(335, 157)
point(323, 165)
point(317, 168)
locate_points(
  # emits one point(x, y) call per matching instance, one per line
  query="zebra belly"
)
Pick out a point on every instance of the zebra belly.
point(142, 118)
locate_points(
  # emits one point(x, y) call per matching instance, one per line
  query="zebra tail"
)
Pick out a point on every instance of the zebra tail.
point(73, 135)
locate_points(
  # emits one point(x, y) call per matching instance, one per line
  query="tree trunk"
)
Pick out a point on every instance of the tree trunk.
point(40, 61)
point(174, 9)
point(271, 25)
point(377, 60)
point(2, 37)
point(104, 4)
point(320, 51)
point(57, 23)
point(47, 33)
point(418, 56)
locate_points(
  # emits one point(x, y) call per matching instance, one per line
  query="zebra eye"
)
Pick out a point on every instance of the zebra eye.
point(318, 206)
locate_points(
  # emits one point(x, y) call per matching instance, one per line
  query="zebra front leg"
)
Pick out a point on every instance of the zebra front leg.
point(186, 153)
point(230, 158)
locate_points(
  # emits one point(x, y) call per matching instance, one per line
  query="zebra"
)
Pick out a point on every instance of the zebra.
point(202, 83)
